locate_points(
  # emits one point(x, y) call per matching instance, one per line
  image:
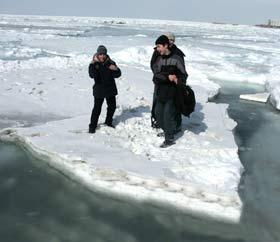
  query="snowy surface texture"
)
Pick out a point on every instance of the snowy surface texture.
point(43, 76)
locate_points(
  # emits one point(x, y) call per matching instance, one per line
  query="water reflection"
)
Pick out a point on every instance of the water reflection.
point(257, 135)
point(39, 204)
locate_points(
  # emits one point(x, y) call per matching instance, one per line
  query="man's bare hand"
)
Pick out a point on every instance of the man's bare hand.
point(170, 77)
point(113, 67)
point(173, 78)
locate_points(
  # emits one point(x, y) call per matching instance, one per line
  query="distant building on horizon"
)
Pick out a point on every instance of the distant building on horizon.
point(273, 23)
point(270, 24)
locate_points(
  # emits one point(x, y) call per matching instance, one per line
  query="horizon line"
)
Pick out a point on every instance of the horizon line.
point(138, 18)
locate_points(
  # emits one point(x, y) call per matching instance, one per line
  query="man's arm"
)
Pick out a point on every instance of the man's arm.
point(93, 70)
point(153, 59)
point(182, 74)
point(116, 71)
point(161, 78)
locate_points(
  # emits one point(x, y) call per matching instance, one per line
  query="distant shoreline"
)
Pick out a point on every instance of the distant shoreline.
point(267, 26)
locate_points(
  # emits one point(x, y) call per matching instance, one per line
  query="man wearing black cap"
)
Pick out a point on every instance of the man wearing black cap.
point(104, 71)
point(169, 71)
point(174, 49)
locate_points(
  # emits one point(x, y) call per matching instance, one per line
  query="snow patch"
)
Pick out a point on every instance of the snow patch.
point(140, 55)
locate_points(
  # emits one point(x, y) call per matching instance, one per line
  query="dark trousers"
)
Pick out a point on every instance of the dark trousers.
point(111, 108)
point(179, 120)
point(153, 113)
point(166, 117)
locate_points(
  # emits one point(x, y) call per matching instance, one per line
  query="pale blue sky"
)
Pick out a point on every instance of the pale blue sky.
point(231, 11)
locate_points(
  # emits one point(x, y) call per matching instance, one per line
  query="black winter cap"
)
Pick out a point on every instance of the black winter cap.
point(162, 40)
point(101, 50)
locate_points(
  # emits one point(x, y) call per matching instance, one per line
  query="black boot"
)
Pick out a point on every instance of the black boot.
point(167, 143)
point(109, 124)
point(91, 129)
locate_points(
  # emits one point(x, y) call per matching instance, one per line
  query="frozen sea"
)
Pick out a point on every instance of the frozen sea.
point(45, 90)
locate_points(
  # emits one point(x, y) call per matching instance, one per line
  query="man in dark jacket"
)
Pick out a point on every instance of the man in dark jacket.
point(175, 50)
point(169, 71)
point(104, 71)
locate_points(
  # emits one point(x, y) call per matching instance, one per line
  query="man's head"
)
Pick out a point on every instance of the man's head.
point(162, 45)
point(101, 53)
point(171, 38)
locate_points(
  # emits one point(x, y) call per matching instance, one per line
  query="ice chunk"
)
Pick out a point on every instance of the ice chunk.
point(258, 97)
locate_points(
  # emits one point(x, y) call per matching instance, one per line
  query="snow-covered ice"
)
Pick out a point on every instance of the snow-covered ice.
point(199, 174)
point(43, 73)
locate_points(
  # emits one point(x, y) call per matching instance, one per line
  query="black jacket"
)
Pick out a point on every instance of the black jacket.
point(174, 49)
point(164, 66)
point(104, 78)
